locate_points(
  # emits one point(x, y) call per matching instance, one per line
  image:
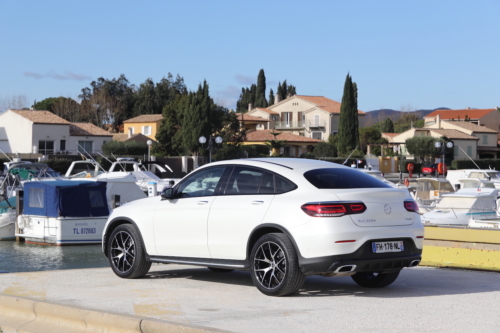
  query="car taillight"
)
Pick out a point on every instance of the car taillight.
point(333, 209)
point(411, 206)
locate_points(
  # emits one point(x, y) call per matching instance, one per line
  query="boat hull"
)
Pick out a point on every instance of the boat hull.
point(61, 230)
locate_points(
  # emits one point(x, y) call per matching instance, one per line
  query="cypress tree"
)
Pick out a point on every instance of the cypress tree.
point(388, 126)
point(260, 90)
point(271, 97)
point(348, 136)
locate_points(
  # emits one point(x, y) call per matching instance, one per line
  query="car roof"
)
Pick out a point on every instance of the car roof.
point(284, 163)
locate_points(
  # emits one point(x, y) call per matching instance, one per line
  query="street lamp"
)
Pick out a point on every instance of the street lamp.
point(443, 147)
point(149, 142)
point(203, 140)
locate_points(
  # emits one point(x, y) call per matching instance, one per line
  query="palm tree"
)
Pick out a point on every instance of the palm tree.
point(275, 145)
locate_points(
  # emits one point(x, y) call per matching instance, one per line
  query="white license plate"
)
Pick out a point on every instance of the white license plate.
point(382, 247)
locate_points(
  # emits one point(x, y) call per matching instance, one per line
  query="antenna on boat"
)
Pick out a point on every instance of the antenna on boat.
point(469, 158)
point(91, 158)
point(107, 159)
point(349, 155)
point(118, 161)
point(6, 155)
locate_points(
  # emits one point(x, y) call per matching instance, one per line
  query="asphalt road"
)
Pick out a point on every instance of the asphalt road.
point(421, 300)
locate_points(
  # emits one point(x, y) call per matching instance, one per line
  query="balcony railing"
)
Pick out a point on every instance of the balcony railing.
point(289, 124)
point(316, 123)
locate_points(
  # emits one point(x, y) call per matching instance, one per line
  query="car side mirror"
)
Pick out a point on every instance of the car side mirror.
point(168, 193)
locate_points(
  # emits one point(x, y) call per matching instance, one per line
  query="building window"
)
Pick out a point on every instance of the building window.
point(85, 147)
point(455, 150)
point(485, 139)
point(146, 130)
point(63, 145)
point(45, 147)
point(316, 135)
point(316, 120)
point(132, 130)
point(469, 151)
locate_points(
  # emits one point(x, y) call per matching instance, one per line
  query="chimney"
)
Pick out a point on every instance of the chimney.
point(277, 99)
point(250, 107)
point(438, 120)
point(130, 132)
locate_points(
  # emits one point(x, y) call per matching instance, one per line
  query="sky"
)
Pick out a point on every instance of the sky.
point(403, 55)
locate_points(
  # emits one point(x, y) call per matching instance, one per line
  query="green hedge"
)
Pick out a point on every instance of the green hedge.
point(125, 148)
point(60, 165)
point(483, 164)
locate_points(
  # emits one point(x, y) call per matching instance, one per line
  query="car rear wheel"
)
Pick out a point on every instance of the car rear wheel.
point(274, 266)
point(375, 280)
point(126, 253)
point(220, 270)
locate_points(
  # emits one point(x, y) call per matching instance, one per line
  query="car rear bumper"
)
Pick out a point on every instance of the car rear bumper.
point(364, 260)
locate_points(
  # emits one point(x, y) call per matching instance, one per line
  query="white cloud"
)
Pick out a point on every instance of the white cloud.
point(62, 77)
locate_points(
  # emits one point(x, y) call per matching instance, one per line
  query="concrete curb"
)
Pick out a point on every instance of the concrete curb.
point(21, 314)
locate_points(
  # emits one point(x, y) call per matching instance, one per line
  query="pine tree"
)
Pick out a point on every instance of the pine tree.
point(260, 91)
point(348, 136)
point(271, 97)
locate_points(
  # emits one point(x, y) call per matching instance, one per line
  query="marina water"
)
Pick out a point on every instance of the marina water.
point(22, 257)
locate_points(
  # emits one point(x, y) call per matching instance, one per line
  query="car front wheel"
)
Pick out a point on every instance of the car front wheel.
point(126, 253)
point(274, 266)
point(375, 280)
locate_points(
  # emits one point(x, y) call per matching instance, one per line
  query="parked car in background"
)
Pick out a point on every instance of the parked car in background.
point(430, 169)
point(282, 219)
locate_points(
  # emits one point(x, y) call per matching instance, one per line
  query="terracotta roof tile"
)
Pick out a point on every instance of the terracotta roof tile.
point(145, 118)
point(472, 127)
point(324, 103)
point(456, 114)
point(266, 110)
point(263, 135)
point(244, 116)
point(139, 137)
point(391, 134)
point(450, 133)
point(41, 117)
point(86, 129)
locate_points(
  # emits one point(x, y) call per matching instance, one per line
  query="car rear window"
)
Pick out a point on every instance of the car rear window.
point(340, 178)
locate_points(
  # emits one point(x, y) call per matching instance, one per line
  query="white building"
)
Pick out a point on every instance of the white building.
point(311, 116)
point(42, 132)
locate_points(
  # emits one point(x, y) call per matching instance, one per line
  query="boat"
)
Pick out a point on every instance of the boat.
point(454, 176)
point(63, 212)
point(7, 218)
point(141, 171)
point(458, 208)
point(429, 192)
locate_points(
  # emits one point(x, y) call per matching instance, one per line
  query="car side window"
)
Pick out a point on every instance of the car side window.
point(244, 181)
point(267, 184)
point(283, 185)
point(201, 184)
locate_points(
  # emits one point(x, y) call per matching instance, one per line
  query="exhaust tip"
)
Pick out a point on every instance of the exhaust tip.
point(414, 263)
point(345, 268)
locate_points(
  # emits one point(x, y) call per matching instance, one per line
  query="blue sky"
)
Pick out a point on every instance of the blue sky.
point(402, 54)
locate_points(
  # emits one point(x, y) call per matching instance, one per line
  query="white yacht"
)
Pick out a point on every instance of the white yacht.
point(429, 192)
point(458, 208)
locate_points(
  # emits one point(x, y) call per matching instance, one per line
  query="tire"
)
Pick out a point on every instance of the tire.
point(275, 267)
point(220, 270)
point(375, 280)
point(131, 263)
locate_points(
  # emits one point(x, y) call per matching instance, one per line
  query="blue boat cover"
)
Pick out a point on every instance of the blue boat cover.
point(65, 198)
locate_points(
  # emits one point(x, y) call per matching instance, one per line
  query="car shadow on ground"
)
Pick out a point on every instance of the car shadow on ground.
point(412, 282)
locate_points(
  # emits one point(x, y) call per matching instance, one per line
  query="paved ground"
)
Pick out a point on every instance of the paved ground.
point(421, 300)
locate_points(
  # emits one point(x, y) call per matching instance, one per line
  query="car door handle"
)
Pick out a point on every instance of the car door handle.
point(202, 202)
point(257, 202)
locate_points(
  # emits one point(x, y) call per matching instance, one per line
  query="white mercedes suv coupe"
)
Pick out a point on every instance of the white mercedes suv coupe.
point(282, 219)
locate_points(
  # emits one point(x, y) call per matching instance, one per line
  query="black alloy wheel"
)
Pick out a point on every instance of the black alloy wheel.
point(126, 253)
point(274, 266)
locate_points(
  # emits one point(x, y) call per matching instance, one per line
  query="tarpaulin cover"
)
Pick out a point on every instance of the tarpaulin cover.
point(65, 198)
